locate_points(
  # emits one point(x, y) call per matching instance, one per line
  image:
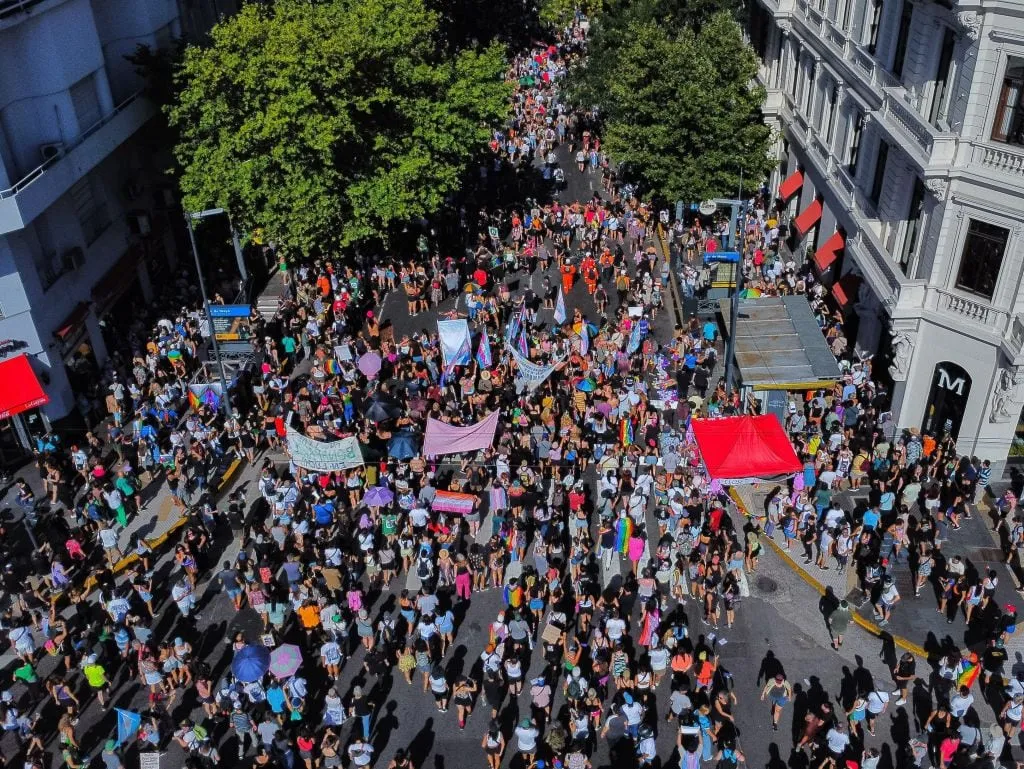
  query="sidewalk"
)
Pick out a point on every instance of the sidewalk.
point(915, 624)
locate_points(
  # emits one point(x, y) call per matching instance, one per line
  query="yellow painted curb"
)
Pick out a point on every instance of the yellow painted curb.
point(865, 623)
point(666, 255)
point(90, 583)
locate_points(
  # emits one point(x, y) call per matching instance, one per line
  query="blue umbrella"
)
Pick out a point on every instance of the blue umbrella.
point(250, 663)
point(403, 445)
point(586, 385)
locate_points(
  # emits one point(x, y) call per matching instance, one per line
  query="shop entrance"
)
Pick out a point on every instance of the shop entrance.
point(947, 400)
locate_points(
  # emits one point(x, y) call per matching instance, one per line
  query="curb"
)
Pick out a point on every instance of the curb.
point(871, 627)
point(160, 540)
point(666, 255)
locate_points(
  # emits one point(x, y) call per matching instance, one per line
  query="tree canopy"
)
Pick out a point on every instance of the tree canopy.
point(330, 123)
point(680, 114)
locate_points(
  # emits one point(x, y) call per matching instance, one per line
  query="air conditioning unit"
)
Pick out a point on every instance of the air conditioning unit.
point(75, 257)
point(51, 150)
point(138, 223)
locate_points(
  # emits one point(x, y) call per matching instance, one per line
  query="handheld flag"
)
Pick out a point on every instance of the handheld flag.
point(584, 340)
point(626, 432)
point(524, 347)
point(969, 672)
point(128, 724)
point(512, 329)
point(560, 315)
point(634, 339)
point(483, 351)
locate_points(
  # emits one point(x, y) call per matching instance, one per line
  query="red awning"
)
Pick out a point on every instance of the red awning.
point(737, 449)
point(828, 253)
point(19, 388)
point(807, 218)
point(792, 183)
point(72, 322)
point(845, 291)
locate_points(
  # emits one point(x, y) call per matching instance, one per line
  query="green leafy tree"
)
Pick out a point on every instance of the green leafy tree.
point(330, 123)
point(680, 113)
point(560, 13)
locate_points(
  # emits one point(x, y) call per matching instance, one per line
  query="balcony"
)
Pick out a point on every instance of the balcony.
point(929, 147)
point(988, 159)
point(41, 187)
point(979, 316)
point(16, 11)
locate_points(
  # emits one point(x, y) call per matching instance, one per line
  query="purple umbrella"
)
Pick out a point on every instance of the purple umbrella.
point(378, 496)
point(369, 364)
point(285, 661)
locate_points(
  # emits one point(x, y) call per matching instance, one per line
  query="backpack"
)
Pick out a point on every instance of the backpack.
point(575, 688)
point(423, 567)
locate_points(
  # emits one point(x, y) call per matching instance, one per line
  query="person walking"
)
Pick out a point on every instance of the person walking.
point(838, 621)
point(778, 692)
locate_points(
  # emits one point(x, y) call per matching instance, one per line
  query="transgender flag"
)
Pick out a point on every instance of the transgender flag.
point(483, 351)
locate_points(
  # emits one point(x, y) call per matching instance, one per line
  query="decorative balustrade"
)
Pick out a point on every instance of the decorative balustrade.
point(1005, 158)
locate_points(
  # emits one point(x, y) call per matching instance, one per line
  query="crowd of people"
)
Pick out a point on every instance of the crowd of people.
point(591, 515)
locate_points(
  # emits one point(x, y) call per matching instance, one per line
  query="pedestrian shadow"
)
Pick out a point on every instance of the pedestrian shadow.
point(770, 667)
point(862, 676)
point(386, 725)
point(798, 760)
point(774, 757)
point(457, 663)
point(422, 743)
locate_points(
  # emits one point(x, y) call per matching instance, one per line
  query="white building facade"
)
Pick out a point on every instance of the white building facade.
point(901, 174)
point(84, 211)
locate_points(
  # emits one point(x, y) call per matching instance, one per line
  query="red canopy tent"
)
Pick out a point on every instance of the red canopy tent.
point(742, 449)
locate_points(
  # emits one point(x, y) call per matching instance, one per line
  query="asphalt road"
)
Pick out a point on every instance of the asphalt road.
point(779, 617)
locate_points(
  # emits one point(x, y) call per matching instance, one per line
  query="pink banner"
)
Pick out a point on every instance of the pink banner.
point(442, 438)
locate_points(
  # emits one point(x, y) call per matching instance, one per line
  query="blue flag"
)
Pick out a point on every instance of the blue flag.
point(635, 339)
point(512, 330)
point(560, 315)
point(128, 724)
point(483, 351)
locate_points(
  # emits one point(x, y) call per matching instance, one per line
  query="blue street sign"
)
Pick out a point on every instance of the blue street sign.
point(728, 257)
point(230, 310)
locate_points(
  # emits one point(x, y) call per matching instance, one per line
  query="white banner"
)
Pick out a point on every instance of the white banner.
point(456, 344)
point(529, 375)
point(324, 457)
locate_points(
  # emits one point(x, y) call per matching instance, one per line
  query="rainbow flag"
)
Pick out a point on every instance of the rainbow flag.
point(332, 366)
point(626, 432)
point(193, 401)
point(968, 674)
point(623, 531)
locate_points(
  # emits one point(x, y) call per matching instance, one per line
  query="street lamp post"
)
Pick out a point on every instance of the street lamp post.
point(225, 397)
point(235, 242)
